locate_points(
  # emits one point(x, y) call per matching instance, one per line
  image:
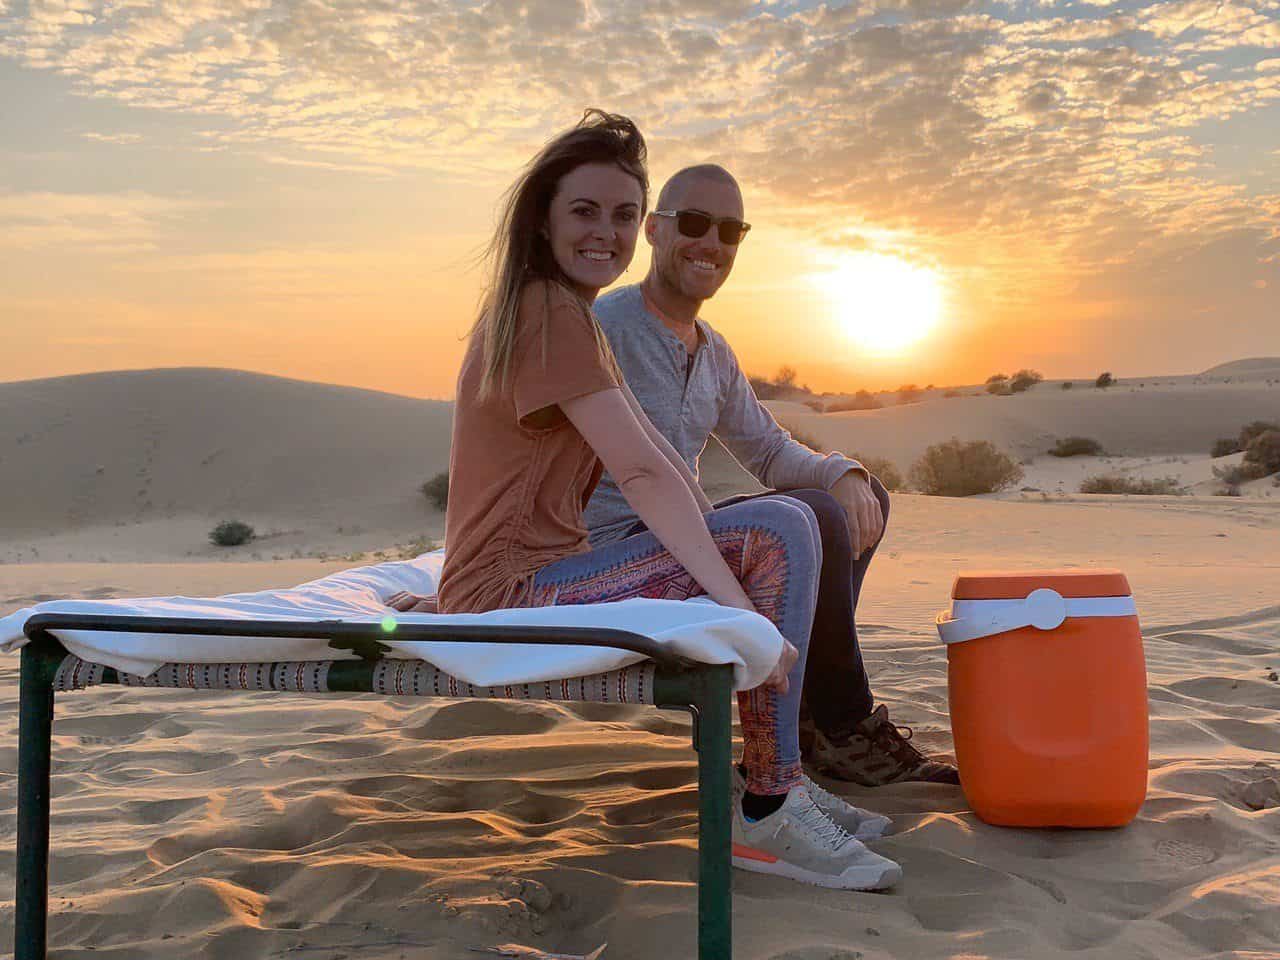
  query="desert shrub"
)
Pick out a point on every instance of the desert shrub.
point(436, 490)
point(951, 394)
point(1077, 447)
point(764, 388)
point(1250, 431)
point(995, 378)
point(783, 386)
point(885, 471)
point(803, 436)
point(862, 400)
point(1067, 384)
point(1104, 380)
point(999, 388)
point(817, 405)
point(1118, 483)
point(1024, 380)
point(1235, 475)
point(1263, 453)
point(962, 469)
point(1225, 446)
point(231, 533)
point(908, 393)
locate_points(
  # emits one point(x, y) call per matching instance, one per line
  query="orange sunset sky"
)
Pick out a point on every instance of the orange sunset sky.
point(939, 190)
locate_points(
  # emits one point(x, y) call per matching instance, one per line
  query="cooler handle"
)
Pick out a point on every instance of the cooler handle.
point(1044, 609)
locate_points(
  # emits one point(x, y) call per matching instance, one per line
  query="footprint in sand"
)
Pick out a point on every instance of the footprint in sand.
point(1183, 854)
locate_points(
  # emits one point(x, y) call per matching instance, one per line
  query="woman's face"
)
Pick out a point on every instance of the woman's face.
point(593, 224)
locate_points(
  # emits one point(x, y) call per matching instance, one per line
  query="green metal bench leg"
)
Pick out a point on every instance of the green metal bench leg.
point(713, 741)
point(35, 727)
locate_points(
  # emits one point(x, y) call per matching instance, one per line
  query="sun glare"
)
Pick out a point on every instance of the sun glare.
point(883, 303)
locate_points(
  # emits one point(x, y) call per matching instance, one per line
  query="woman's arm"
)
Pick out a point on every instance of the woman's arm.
point(667, 450)
point(663, 500)
point(655, 490)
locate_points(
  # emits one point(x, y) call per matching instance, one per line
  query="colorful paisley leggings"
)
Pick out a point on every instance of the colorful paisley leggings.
point(773, 547)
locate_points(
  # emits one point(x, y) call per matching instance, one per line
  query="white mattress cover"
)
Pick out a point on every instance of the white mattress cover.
point(698, 629)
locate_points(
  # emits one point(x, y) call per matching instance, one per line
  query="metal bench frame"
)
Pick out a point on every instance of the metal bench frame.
point(705, 690)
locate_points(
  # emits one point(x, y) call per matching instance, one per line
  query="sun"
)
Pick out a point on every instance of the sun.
point(883, 303)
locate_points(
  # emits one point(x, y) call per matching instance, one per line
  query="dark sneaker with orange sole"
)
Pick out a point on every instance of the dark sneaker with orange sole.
point(876, 752)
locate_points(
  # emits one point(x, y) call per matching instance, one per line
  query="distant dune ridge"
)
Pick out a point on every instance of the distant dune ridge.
point(119, 447)
point(1253, 366)
point(144, 447)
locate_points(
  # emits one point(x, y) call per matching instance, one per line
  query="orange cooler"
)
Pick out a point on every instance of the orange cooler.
point(1048, 691)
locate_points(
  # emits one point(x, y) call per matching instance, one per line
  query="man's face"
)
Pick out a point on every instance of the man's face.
point(695, 267)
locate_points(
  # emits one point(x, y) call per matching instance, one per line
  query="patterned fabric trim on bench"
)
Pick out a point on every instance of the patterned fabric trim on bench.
point(411, 678)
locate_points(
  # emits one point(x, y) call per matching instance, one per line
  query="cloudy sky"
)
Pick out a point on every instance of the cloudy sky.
point(301, 188)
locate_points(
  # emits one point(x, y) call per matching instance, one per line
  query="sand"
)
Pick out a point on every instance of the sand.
point(259, 825)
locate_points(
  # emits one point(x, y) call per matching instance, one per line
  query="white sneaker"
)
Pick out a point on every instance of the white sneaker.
point(864, 825)
point(801, 842)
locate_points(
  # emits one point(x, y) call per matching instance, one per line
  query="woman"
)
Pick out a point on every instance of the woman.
point(541, 409)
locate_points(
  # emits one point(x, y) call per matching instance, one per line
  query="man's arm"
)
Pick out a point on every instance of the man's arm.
point(780, 462)
point(763, 447)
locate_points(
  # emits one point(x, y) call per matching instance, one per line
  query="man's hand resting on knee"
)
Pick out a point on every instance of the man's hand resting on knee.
point(866, 521)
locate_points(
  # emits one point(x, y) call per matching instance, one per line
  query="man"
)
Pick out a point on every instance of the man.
point(687, 379)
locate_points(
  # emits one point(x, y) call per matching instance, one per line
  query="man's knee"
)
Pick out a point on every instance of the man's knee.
point(882, 497)
point(833, 522)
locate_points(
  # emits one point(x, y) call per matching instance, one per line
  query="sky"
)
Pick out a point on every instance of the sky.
point(303, 188)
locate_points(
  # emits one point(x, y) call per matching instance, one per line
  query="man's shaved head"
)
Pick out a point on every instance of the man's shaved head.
point(685, 269)
point(676, 190)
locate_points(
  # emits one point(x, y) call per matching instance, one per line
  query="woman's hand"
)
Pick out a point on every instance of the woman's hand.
point(777, 678)
point(406, 602)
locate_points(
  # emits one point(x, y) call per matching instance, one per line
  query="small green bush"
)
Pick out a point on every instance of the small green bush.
point(884, 470)
point(1024, 380)
point(1104, 380)
point(1118, 483)
point(960, 469)
point(1255, 429)
point(1077, 447)
point(1238, 474)
point(231, 533)
point(1263, 452)
point(862, 400)
point(1225, 446)
point(436, 490)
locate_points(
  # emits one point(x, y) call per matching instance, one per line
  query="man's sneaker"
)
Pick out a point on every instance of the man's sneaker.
point(877, 752)
point(799, 841)
point(862, 824)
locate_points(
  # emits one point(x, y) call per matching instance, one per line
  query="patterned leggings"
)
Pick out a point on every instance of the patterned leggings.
point(772, 546)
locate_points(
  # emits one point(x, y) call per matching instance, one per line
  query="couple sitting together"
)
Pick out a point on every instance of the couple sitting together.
point(573, 479)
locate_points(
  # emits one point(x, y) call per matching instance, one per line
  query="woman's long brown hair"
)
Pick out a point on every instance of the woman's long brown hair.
point(520, 251)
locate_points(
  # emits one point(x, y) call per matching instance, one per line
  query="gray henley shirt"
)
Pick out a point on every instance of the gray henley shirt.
point(714, 398)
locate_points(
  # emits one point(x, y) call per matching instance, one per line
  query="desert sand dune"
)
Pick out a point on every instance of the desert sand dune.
point(190, 824)
point(154, 451)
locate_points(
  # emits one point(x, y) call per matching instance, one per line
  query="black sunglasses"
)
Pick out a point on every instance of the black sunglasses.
point(695, 223)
